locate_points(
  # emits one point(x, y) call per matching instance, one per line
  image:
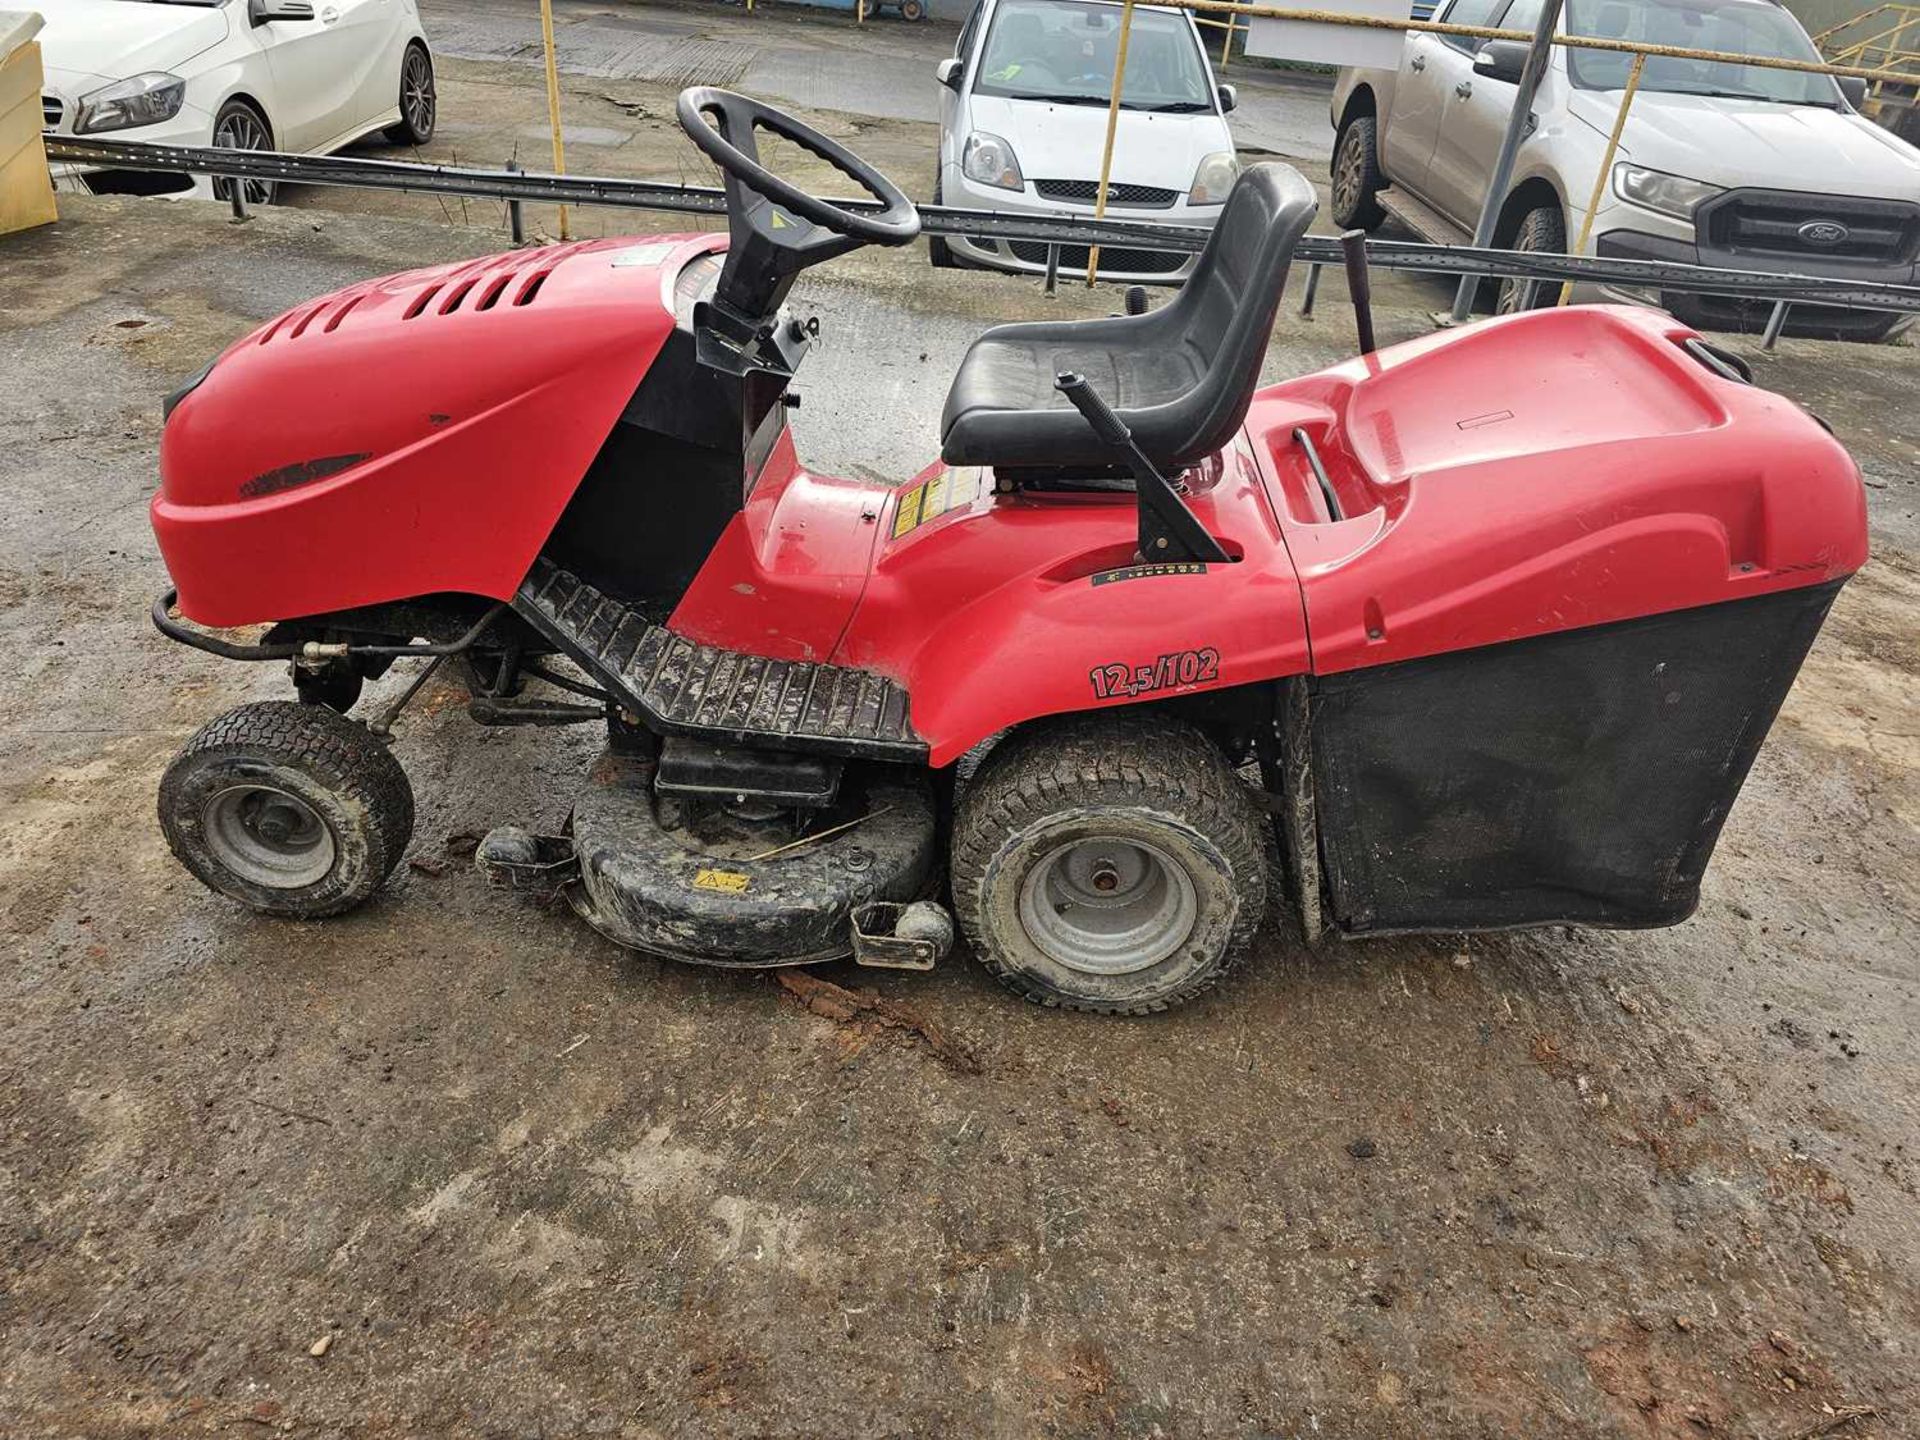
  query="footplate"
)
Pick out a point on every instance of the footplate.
point(682, 688)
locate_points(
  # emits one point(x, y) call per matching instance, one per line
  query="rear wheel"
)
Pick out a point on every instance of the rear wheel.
point(1541, 232)
point(1357, 181)
point(419, 101)
point(289, 809)
point(241, 127)
point(1113, 864)
point(913, 10)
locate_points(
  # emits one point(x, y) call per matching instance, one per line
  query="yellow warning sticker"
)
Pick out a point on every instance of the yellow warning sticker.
point(727, 882)
point(945, 493)
point(908, 515)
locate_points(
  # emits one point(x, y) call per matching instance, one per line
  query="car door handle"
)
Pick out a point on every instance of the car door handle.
point(1463, 89)
point(1419, 62)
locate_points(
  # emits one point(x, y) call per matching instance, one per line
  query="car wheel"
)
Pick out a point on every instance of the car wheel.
point(937, 248)
point(1357, 181)
point(239, 126)
point(912, 10)
point(1541, 232)
point(419, 101)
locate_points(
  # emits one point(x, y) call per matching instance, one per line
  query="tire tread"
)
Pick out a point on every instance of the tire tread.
point(1144, 761)
point(343, 754)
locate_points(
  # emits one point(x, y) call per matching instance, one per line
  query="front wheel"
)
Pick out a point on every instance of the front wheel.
point(1357, 181)
point(419, 101)
point(239, 126)
point(290, 809)
point(1112, 864)
point(1541, 232)
point(937, 248)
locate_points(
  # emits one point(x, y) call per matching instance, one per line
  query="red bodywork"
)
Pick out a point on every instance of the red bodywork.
point(1538, 473)
point(469, 398)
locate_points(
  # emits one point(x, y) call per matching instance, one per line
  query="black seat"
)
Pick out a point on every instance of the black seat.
point(1180, 377)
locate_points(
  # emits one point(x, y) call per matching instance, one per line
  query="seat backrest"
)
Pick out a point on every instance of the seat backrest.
point(1224, 314)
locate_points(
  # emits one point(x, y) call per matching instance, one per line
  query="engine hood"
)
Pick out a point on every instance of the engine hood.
point(1065, 142)
point(114, 39)
point(467, 400)
point(1751, 142)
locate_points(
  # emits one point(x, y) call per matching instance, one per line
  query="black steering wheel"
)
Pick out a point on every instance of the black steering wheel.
point(730, 145)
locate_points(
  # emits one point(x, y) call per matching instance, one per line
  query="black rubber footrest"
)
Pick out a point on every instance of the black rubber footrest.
point(683, 688)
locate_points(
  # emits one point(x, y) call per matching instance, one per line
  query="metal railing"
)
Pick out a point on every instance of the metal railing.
point(1894, 48)
point(518, 187)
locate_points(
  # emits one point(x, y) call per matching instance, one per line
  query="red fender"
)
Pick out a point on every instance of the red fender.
point(997, 609)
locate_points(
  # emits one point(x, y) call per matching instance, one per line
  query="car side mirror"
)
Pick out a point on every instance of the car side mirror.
point(260, 12)
point(1229, 98)
point(949, 71)
point(1501, 60)
point(1853, 89)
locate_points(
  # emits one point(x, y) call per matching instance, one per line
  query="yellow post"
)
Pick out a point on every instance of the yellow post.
point(1226, 45)
point(1113, 128)
point(553, 102)
point(1606, 167)
point(860, 12)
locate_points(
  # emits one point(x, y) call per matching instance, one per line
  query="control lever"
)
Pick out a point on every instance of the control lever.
point(1168, 530)
point(1354, 243)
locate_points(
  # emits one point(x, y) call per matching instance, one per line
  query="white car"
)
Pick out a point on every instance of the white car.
point(311, 76)
point(1023, 126)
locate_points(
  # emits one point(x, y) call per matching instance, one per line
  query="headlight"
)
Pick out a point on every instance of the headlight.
point(989, 160)
point(143, 100)
point(1214, 178)
point(1669, 194)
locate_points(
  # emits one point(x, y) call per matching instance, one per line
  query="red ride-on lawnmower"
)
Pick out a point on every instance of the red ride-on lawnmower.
point(1502, 614)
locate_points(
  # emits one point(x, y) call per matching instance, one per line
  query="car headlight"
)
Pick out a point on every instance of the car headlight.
point(142, 100)
point(1214, 178)
point(989, 160)
point(1673, 195)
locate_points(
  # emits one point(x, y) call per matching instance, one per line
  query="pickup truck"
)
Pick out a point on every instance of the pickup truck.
point(1719, 164)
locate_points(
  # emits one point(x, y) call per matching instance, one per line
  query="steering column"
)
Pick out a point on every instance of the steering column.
point(777, 229)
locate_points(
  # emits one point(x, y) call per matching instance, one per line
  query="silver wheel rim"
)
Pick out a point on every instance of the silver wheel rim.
point(416, 94)
point(240, 129)
point(1346, 173)
point(1517, 295)
point(1108, 907)
point(268, 837)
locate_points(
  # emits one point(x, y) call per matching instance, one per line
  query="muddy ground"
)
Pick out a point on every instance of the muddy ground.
point(519, 1183)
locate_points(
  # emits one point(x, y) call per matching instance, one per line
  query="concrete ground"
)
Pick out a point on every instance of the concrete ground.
point(520, 1183)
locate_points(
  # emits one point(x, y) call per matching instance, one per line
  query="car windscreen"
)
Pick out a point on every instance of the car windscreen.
point(1743, 27)
point(1063, 50)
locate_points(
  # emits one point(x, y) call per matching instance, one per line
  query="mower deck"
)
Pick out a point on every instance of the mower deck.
point(679, 687)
